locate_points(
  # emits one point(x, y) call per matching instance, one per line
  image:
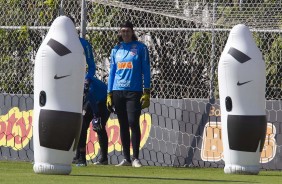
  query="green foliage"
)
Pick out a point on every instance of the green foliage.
point(102, 17)
point(191, 61)
point(276, 49)
point(268, 42)
point(15, 69)
point(51, 3)
point(23, 33)
point(274, 62)
point(19, 45)
point(201, 44)
point(48, 16)
point(102, 41)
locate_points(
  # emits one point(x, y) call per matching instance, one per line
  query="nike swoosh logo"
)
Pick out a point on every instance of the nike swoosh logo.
point(240, 84)
point(60, 77)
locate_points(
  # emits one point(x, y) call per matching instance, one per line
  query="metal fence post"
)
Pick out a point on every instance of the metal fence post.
point(83, 19)
point(61, 11)
point(212, 63)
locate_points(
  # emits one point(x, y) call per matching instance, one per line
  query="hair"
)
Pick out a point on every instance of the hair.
point(129, 25)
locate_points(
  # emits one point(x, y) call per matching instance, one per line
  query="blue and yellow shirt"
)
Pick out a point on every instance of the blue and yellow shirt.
point(129, 67)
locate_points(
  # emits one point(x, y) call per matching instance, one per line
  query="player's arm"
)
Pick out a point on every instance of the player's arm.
point(146, 67)
point(90, 61)
point(112, 71)
point(145, 98)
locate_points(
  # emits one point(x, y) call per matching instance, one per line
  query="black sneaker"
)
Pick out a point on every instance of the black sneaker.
point(74, 160)
point(81, 162)
point(101, 162)
point(76, 157)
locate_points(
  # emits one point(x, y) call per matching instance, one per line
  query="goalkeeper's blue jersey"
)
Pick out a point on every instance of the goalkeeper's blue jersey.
point(129, 67)
point(89, 58)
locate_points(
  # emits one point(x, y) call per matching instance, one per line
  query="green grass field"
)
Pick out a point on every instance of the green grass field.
point(22, 172)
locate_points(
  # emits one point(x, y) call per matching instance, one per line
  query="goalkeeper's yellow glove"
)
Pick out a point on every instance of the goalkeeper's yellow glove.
point(145, 99)
point(110, 102)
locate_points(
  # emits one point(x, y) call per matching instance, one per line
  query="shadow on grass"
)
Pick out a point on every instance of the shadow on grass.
point(161, 178)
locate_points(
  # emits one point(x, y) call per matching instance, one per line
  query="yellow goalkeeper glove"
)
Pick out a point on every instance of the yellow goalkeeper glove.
point(145, 99)
point(110, 102)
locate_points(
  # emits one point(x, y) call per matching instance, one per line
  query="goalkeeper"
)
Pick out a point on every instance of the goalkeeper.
point(129, 89)
point(96, 112)
point(94, 109)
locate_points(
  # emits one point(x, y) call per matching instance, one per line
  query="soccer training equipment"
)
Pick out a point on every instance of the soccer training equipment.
point(242, 101)
point(58, 85)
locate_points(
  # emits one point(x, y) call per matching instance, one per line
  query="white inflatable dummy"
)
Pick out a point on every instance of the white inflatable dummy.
point(241, 77)
point(58, 91)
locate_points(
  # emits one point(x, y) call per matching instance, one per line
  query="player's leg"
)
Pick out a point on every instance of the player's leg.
point(76, 157)
point(102, 134)
point(120, 109)
point(83, 136)
point(133, 111)
point(80, 143)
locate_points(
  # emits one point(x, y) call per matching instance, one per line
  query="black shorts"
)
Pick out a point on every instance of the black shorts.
point(127, 100)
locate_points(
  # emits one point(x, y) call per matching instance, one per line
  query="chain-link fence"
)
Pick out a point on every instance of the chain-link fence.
point(185, 40)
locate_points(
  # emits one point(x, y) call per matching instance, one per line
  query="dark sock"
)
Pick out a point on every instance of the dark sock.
point(82, 155)
point(77, 154)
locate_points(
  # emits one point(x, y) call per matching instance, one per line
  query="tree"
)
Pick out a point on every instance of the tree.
point(20, 45)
